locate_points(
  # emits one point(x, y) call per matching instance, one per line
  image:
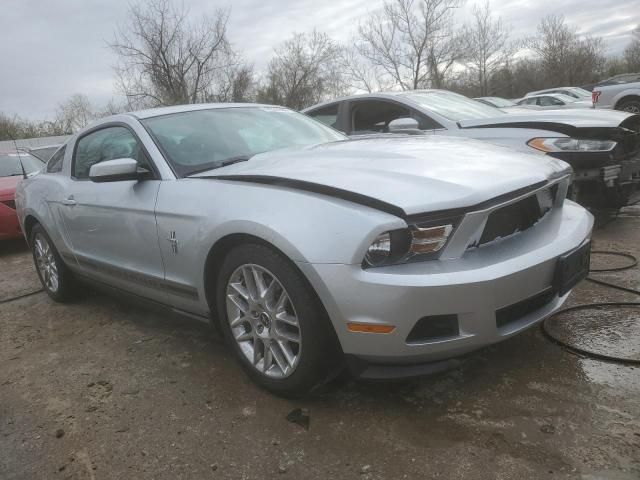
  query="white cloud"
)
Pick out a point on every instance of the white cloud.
point(51, 50)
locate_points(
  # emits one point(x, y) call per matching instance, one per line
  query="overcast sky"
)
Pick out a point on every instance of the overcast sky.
point(50, 49)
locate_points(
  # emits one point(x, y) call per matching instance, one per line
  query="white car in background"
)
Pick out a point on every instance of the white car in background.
point(553, 101)
point(575, 92)
point(503, 104)
point(603, 147)
point(625, 96)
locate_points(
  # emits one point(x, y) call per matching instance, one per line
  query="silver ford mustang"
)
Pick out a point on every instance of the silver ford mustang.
point(308, 250)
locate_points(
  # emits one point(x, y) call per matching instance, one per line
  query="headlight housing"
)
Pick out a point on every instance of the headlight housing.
point(420, 241)
point(566, 144)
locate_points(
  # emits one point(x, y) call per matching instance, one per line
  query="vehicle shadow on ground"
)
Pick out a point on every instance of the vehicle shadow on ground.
point(11, 247)
point(480, 371)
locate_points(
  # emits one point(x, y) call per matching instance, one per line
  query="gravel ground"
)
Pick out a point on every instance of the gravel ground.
point(102, 389)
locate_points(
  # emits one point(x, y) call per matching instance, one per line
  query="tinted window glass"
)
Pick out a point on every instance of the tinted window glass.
point(11, 164)
point(55, 162)
point(327, 115)
point(374, 116)
point(200, 140)
point(107, 144)
point(549, 101)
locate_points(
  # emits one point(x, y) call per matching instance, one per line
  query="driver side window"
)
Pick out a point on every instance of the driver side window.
point(106, 144)
point(374, 116)
point(549, 101)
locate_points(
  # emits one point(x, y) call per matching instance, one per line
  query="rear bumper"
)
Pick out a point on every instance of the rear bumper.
point(474, 289)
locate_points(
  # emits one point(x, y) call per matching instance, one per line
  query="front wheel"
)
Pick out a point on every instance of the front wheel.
point(274, 322)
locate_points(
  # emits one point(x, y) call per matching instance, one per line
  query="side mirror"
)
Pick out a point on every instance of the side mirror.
point(404, 125)
point(114, 170)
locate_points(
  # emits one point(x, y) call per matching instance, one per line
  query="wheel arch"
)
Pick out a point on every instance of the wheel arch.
point(626, 97)
point(29, 222)
point(218, 252)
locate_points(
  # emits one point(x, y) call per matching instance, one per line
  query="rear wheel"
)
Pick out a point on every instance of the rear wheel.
point(631, 105)
point(55, 276)
point(274, 323)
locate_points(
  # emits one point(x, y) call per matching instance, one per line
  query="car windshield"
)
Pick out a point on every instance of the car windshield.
point(10, 164)
point(581, 92)
point(200, 140)
point(453, 106)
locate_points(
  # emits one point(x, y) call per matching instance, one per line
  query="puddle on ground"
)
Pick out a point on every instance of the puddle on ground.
point(604, 330)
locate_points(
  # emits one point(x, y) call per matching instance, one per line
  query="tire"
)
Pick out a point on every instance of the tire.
point(48, 261)
point(262, 331)
point(632, 105)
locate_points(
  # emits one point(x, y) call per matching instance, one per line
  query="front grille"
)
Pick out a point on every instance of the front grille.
point(518, 216)
point(514, 312)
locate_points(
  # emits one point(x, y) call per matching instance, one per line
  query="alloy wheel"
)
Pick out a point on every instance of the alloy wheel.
point(263, 321)
point(46, 263)
point(633, 107)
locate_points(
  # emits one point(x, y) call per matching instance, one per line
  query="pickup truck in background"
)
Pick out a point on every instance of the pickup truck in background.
point(624, 96)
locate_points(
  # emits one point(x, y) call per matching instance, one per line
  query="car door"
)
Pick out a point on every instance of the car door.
point(111, 226)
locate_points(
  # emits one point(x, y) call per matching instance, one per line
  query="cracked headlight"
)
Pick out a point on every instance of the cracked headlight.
point(418, 242)
point(565, 144)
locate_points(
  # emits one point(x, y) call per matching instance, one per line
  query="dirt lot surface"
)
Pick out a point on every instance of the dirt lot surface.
point(101, 389)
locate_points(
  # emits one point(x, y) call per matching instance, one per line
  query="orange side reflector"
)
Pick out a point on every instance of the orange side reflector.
point(370, 328)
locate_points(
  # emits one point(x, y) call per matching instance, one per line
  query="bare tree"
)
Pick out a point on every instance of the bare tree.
point(359, 74)
point(632, 52)
point(567, 59)
point(75, 113)
point(487, 47)
point(236, 85)
point(303, 71)
point(411, 41)
point(165, 59)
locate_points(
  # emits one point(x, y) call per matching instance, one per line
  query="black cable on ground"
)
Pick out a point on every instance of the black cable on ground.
point(633, 260)
point(588, 353)
point(23, 295)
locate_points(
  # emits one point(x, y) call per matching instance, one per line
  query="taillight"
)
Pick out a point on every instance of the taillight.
point(9, 203)
point(595, 96)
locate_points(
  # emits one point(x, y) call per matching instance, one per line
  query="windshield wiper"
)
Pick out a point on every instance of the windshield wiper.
point(232, 160)
point(224, 163)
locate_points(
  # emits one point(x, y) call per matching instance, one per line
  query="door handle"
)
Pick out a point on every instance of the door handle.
point(69, 201)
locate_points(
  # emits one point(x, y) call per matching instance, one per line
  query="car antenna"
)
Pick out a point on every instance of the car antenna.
point(15, 144)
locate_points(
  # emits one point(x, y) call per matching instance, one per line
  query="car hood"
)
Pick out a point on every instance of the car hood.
point(416, 174)
point(8, 187)
point(577, 118)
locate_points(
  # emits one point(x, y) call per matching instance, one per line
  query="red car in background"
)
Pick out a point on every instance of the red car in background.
point(11, 172)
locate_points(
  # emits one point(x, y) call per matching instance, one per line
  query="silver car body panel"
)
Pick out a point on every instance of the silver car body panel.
point(153, 237)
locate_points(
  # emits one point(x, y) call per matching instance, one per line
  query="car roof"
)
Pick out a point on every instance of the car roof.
point(157, 112)
point(388, 94)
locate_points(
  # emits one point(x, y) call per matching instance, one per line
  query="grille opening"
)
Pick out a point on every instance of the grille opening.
point(518, 216)
point(514, 312)
point(434, 327)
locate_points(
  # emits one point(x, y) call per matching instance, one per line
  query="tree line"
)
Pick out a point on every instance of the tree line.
point(165, 57)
